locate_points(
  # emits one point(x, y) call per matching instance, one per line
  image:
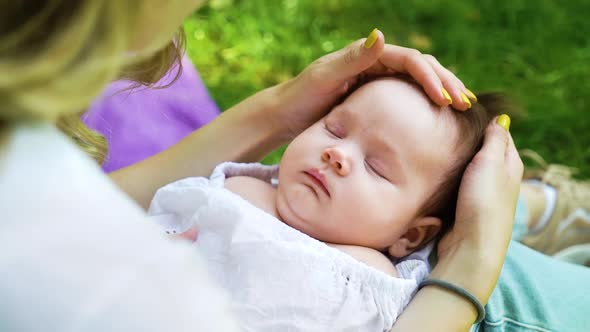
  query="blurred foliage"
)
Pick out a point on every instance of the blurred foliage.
point(538, 51)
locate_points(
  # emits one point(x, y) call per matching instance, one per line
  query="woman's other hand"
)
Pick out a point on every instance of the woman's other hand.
point(307, 97)
point(485, 208)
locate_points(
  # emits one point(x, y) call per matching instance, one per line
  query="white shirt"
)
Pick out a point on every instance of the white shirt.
point(76, 254)
point(281, 279)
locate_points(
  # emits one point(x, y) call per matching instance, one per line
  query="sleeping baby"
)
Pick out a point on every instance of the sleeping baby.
point(335, 237)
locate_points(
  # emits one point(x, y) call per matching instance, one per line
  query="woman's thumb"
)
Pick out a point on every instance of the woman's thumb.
point(357, 56)
point(496, 136)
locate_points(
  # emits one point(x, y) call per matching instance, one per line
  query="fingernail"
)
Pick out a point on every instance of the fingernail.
point(446, 95)
point(371, 38)
point(465, 100)
point(471, 94)
point(504, 121)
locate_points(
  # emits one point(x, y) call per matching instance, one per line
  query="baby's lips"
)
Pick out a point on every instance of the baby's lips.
point(316, 174)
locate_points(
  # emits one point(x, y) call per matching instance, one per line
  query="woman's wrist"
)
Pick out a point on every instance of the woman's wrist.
point(473, 269)
point(255, 124)
point(279, 98)
point(269, 115)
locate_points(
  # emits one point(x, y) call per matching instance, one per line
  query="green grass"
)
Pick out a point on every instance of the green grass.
point(538, 51)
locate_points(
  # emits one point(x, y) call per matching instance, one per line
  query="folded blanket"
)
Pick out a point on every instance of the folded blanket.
point(279, 278)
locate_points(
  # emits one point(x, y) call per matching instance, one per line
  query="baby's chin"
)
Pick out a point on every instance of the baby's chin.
point(289, 217)
point(298, 222)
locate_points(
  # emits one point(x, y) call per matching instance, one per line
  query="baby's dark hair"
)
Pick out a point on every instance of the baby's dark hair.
point(471, 127)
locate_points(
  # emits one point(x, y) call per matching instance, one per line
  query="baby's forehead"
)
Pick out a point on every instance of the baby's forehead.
point(400, 101)
point(401, 89)
point(400, 97)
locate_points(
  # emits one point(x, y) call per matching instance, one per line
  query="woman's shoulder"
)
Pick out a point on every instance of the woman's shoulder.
point(70, 232)
point(43, 174)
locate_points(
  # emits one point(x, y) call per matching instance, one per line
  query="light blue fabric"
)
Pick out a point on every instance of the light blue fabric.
point(538, 293)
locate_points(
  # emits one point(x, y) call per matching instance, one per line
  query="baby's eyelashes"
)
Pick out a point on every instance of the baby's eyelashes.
point(374, 170)
point(330, 132)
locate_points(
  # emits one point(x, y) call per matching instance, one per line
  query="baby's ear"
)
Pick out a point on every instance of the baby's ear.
point(420, 232)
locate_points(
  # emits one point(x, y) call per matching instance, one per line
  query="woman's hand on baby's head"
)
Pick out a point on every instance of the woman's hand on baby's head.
point(472, 253)
point(304, 99)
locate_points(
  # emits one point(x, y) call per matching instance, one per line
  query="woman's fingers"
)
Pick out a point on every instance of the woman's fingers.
point(441, 85)
point(339, 70)
point(462, 97)
point(397, 59)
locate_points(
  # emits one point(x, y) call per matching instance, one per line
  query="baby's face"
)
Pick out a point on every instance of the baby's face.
point(359, 175)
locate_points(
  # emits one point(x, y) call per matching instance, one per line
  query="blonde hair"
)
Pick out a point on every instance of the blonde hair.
point(57, 56)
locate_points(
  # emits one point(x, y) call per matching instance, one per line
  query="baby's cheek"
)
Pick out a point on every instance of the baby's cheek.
point(364, 207)
point(388, 205)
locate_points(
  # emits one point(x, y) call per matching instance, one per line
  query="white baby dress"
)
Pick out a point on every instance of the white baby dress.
point(280, 279)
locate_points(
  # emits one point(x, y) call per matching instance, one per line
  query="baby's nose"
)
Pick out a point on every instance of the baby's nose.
point(337, 160)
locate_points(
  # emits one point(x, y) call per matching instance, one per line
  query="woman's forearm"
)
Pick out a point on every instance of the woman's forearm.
point(436, 309)
point(243, 133)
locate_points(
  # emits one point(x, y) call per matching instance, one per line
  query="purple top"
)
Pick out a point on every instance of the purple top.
point(142, 122)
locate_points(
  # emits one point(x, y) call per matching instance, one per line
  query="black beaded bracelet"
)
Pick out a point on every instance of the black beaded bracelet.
point(481, 311)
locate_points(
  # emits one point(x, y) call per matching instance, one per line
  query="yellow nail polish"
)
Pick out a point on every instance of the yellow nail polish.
point(504, 121)
point(471, 94)
point(447, 95)
point(371, 38)
point(465, 99)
